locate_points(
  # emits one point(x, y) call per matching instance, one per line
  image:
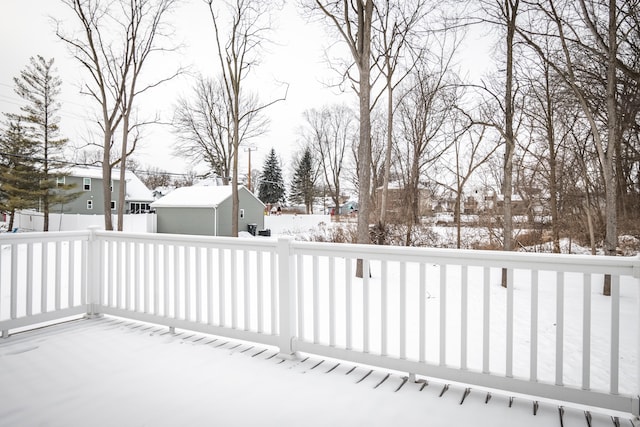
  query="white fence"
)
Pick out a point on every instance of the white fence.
point(34, 221)
point(437, 313)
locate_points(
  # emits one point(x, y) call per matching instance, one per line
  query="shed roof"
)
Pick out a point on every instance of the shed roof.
point(196, 197)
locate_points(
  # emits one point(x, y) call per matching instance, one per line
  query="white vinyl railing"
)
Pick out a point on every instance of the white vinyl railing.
point(550, 334)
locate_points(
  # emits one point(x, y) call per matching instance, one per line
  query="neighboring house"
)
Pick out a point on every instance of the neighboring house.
point(88, 182)
point(396, 199)
point(207, 210)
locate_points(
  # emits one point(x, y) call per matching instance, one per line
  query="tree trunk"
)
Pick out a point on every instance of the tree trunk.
point(507, 190)
point(106, 180)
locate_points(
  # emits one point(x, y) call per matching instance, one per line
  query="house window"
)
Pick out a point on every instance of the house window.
point(113, 205)
point(111, 185)
point(89, 204)
point(86, 184)
point(241, 213)
point(60, 181)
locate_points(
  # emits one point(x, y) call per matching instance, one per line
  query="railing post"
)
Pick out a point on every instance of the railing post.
point(286, 297)
point(92, 272)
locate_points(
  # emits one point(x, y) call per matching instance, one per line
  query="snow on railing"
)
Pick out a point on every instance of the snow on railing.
point(439, 313)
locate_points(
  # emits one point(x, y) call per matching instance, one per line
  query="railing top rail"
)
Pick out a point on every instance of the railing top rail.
point(54, 236)
point(518, 260)
point(262, 243)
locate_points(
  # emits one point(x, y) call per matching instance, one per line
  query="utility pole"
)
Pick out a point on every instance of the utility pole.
point(249, 149)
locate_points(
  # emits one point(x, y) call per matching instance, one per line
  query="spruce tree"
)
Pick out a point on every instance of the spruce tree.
point(271, 188)
point(39, 87)
point(304, 181)
point(19, 178)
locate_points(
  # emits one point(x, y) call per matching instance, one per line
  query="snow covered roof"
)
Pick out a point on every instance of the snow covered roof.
point(136, 190)
point(197, 196)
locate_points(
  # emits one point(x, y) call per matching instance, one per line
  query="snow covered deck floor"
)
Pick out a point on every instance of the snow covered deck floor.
point(113, 372)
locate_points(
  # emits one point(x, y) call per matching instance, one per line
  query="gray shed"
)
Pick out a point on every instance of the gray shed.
point(206, 210)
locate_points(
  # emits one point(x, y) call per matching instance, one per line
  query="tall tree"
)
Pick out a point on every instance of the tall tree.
point(19, 176)
point(393, 38)
point(329, 132)
point(238, 46)
point(271, 188)
point(204, 126)
point(115, 42)
point(303, 185)
point(354, 21)
point(39, 86)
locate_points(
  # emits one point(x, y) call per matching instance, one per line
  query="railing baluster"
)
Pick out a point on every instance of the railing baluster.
point(246, 283)
point(109, 268)
point(177, 300)
point(533, 351)
point(260, 290)
point(464, 307)
point(234, 289)
point(615, 333)
point(403, 310)
point(274, 293)
point(365, 305)
point(348, 303)
point(384, 302)
point(423, 314)
point(71, 275)
point(13, 309)
point(221, 288)
point(300, 295)
point(486, 320)
point(30, 253)
point(332, 301)
point(166, 280)
point(586, 331)
point(198, 284)
point(560, 328)
point(136, 282)
point(120, 279)
point(58, 276)
point(188, 315)
point(209, 282)
point(510, 324)
point(44, 276)
point(443, 315)
point(156, 279)
point(147, 279)
point(316, 301)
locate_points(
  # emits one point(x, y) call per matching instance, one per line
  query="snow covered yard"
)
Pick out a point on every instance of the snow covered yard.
point(111, 372)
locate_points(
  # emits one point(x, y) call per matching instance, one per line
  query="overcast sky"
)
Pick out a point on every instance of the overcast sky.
point(297, 58)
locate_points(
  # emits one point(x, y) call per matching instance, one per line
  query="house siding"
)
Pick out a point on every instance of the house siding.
point(79, 205)
point(176, 220)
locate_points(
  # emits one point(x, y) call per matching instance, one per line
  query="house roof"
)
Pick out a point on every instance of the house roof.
point(197, 196)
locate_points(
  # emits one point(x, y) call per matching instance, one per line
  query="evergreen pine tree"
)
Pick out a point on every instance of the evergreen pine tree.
point(271, 188)
point(19, 178)
point(39, 87)
point(304, 181)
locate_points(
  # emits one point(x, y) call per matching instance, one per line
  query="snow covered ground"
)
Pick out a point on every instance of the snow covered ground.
point(111, 372)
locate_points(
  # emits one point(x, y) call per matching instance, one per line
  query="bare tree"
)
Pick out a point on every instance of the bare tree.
point(238, 47)
point(204, 126)
point(115, 41)
point(393, 39)
point(424, 114)
point(329, 133)
point(353, 21)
